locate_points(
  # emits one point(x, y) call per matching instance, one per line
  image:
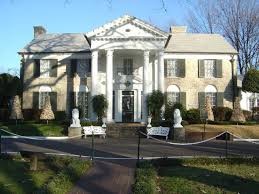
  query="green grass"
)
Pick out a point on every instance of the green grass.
point(207, 176)
point(54, 175)
point(34, 129)
point(145, 179)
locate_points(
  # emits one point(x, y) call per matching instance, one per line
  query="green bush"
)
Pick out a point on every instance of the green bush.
point(165, 123)
point(193, 116)
point(60, 115)
point(169, 111)
point(248, 115)
point(155, 101)
point(222, 113)
point(89, 123)
point(145, 182)
point(100, 105)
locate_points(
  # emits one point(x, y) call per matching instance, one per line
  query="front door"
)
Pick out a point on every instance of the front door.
point(127, 106)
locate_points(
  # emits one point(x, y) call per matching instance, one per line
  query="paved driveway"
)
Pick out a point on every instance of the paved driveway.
point(127, 147)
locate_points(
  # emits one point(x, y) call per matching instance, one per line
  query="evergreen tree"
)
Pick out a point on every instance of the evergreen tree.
point(47, 113)
point(16, 113)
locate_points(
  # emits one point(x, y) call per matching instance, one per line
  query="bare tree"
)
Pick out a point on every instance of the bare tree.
point(236, 20)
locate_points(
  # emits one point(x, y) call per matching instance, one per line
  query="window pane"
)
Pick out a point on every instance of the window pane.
point(213, 98)
point(128, 66)
point(210, 68)
point(44, 68)
point(172, 68)
point(173, 97)
point(82, 102)
point(42, 99)
point(82, 67)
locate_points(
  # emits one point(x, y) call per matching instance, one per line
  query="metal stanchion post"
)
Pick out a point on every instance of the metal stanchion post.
point(92, 146)
point(138, 147)
point(226, 144)
point(0, 142)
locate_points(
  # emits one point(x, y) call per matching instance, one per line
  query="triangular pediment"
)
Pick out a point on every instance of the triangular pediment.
point(127, 27)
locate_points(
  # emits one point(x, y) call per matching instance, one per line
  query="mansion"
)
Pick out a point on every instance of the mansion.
point(126, 60)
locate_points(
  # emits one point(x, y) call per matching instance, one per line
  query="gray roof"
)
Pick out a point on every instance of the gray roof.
point(67, 42)
point(198, 43)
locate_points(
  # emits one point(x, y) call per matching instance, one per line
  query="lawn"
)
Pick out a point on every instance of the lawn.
point(54, 175)
point(183, 176)
point(245, 131)
point(35, 129)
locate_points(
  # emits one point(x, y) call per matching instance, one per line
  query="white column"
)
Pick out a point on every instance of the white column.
point(161, 70)
point(145, 85)
point(94, 73)
point(94, 76)
point(109, 83)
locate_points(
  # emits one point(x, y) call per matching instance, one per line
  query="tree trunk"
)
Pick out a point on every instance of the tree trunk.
point(34, 162)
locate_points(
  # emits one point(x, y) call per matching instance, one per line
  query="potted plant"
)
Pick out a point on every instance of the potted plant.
point(100, 106)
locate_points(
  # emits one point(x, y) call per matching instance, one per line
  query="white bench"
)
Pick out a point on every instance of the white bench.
point(161, 131)
point(94, 130)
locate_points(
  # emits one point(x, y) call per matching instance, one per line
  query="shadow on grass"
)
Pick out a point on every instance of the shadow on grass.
point(178, 170)
point(16, 176)
point(35, 129)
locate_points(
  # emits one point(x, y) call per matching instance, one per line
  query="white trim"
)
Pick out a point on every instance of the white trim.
point(210, 89)
point(173, 88)
point(45, 88)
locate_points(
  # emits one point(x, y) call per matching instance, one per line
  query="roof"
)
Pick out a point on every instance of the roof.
point(67, 42)
point(198, 43)
point(126, 19)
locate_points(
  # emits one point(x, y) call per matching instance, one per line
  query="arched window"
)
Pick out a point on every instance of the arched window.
point(211, 91)
point(81, 97)
point(173, 94)
point(43, 93)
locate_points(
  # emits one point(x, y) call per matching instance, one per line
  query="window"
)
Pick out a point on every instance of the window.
point(128, 66)
point(44, 68)
point(211, 91)
point(44, 91)
point(173, 68)
point(82, 101)
point(253, 102)
point(173, 94)
point(83, 67)
point(210, 68)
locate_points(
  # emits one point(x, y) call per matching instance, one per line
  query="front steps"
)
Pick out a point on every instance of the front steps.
point(122, 130)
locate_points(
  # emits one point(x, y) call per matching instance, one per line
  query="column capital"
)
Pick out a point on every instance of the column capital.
point(95, 53)
point(109, 52)
point(146, 53)
point(160, 52)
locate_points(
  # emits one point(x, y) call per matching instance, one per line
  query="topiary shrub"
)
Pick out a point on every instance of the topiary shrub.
point(193, 116)
point(222, 113)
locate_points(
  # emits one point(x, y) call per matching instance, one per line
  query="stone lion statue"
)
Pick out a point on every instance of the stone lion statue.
point(75, 118)
point(177, 119)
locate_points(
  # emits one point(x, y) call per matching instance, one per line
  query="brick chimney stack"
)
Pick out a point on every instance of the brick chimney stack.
point(38, 31)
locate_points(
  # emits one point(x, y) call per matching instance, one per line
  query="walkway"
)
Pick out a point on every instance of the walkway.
point(107, 177)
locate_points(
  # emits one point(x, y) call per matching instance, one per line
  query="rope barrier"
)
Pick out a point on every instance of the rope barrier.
point(236, 136)
point(199, 142)
point(184, 144)
point(37, 138)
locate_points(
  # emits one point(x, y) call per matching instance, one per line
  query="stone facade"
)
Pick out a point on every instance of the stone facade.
point(107, 50)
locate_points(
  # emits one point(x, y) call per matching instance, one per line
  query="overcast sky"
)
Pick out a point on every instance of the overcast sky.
point(17, 18)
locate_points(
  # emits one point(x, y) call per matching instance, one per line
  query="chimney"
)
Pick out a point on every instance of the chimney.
point(38, 31)
point(178, 29)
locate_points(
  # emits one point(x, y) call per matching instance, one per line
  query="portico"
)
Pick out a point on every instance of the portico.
point(125, 76)
point(127, 64)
